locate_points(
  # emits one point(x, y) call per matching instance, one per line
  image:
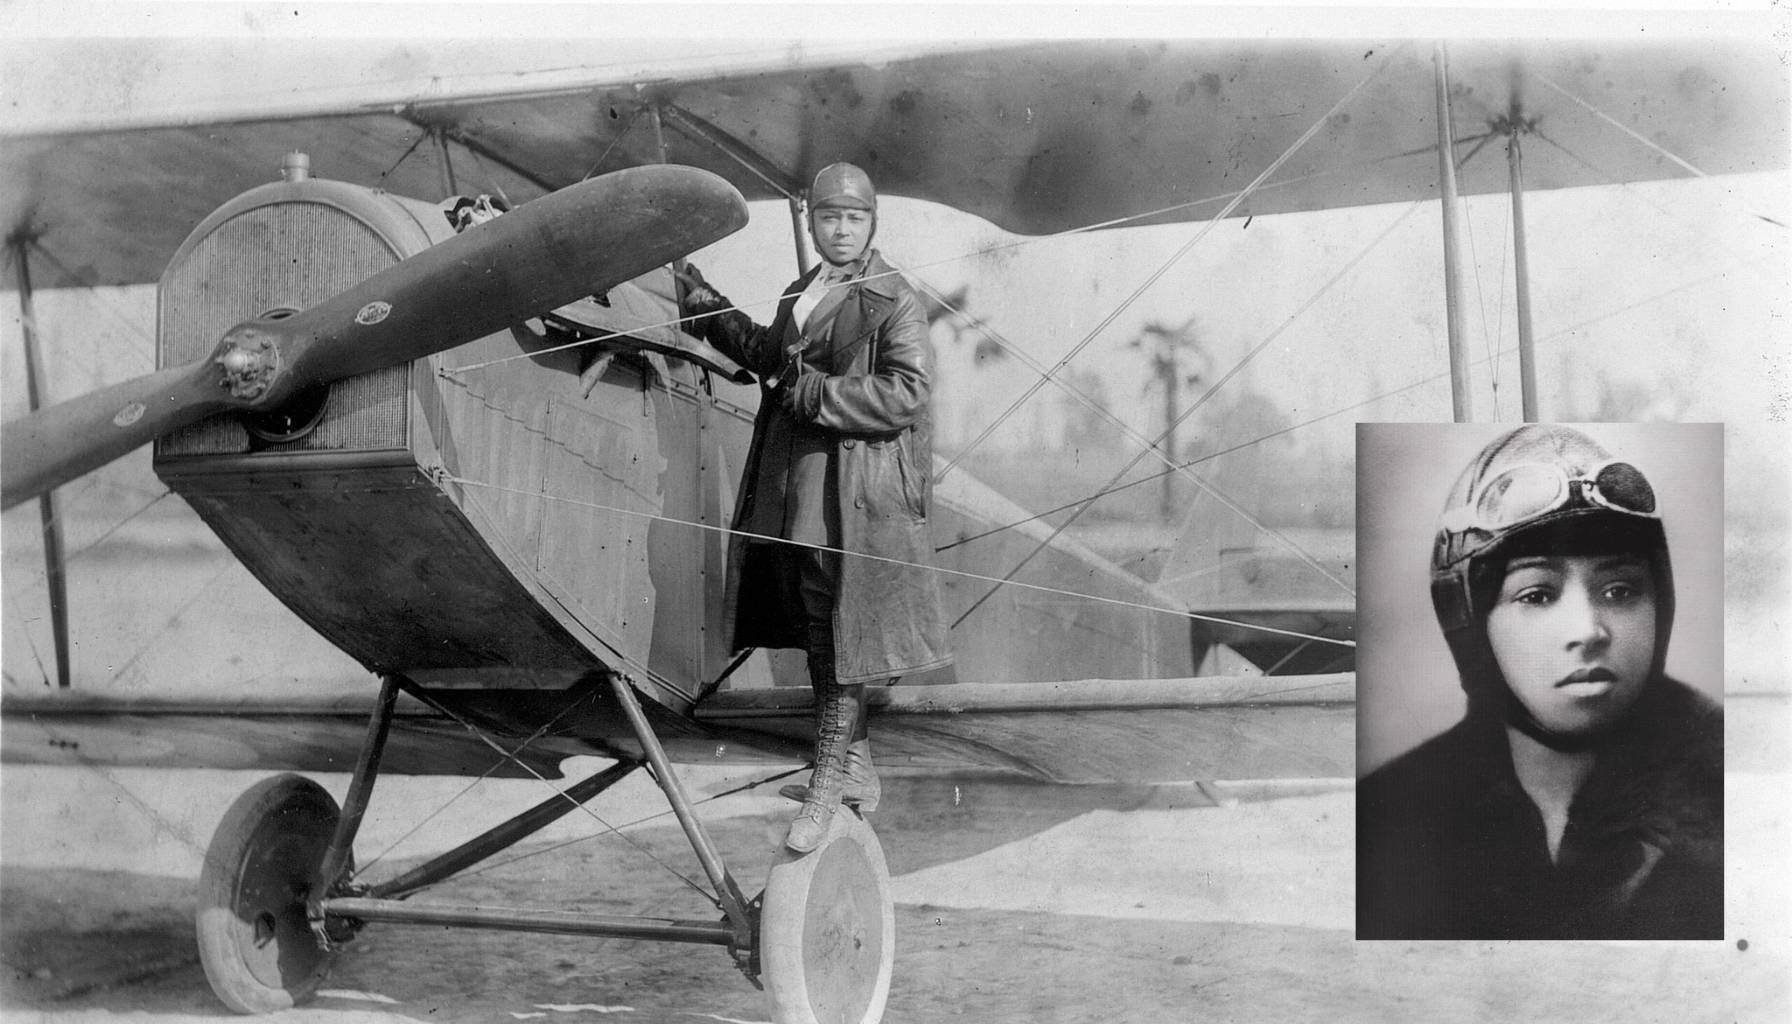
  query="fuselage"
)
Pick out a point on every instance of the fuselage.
point(514, 513)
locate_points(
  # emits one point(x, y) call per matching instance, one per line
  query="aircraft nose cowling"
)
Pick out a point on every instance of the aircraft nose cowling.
point(582, 239)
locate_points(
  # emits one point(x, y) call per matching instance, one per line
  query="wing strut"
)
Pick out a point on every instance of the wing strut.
point(55, 566)
point(796, 229)
point(1527, 349)
point(778, 178)
point(449, 186)
point(1462, 404)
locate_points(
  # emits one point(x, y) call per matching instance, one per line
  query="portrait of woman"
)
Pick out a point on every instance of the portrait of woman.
point(1579, 791)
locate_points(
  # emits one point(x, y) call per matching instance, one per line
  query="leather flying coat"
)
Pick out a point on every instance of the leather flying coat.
point(1449, 846)
point(872, 391)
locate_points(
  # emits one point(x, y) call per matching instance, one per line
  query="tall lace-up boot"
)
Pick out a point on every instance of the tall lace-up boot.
point(835, 711)
point(862, 789)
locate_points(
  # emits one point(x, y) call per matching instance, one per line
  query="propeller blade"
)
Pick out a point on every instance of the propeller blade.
point(542, 255)
point(54, 445)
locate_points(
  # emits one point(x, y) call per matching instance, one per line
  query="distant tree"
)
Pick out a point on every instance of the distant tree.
point(952, 325)
point(952, 311)
point(1171, 349)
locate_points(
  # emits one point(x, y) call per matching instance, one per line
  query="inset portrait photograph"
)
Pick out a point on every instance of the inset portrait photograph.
point(1540, 675)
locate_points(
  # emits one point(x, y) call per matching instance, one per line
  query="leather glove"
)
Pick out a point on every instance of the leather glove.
point(801, 398)
point(695, 294)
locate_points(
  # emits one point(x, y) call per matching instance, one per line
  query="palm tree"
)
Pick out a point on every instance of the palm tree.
point(1170, 348)
point(953, 310)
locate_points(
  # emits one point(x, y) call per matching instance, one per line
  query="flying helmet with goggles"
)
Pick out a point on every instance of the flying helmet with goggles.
point(1538, 489)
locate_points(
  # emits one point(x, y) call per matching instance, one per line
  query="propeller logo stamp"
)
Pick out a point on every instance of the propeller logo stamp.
point(128, 415)
point(373, 313)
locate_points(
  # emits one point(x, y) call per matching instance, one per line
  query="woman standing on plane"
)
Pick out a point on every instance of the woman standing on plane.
point(840, 466)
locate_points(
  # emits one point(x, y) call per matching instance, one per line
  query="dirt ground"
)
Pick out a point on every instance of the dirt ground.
point(1016, 903)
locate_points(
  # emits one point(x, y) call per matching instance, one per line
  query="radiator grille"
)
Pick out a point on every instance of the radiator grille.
point(282, 255)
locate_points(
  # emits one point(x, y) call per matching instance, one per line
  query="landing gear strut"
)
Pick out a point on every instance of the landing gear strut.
point(276, 899)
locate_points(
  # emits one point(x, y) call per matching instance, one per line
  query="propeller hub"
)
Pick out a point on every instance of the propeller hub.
point(250, 360)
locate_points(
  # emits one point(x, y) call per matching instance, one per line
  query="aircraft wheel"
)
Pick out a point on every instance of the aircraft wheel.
point(254, 940)
point(827, 932)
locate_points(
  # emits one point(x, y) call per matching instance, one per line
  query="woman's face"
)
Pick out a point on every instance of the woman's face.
point(841, 233)
point(1574, 636)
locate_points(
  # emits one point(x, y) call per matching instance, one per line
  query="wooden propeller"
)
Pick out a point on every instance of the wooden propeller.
point(544, 254)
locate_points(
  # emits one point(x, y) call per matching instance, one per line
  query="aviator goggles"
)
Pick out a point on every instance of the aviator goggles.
point(1532, 489)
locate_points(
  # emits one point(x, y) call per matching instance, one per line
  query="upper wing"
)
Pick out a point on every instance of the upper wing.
point(1036, 138)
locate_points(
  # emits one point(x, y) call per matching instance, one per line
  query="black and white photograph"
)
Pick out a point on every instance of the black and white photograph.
point(799, 513)
point(1560, 591)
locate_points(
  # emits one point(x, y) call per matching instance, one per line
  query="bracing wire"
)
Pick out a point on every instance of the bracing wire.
point(959, 573)
point(1176, 257)
point(1499, 308)
point(1621, 126)
point(1150, 447)
point(480, 735)
point(1414, 385)
point(178, 832)
point(198, 592)
point(482, 777)
point(1487, 338)
point(1478, 140)
point(406, 155)
point(42, 576)
point(1634, 134)
point(1432, 379)
point(644, 819)
point(136, 330)
point(632, 664)
point(1630, 189)
point(37, 658)
point(1640, 303)
point(985, 251)
point(780, 187)
point(472, 784)
point(486, 173)
point(1049, 375)
point(1147, 447)
point(617, 141)
point(1210, 456)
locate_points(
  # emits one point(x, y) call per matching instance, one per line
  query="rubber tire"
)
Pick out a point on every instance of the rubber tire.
point(254, 940)
point(827, 930)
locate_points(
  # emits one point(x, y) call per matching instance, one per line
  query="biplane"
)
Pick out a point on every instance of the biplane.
point(489, 466)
